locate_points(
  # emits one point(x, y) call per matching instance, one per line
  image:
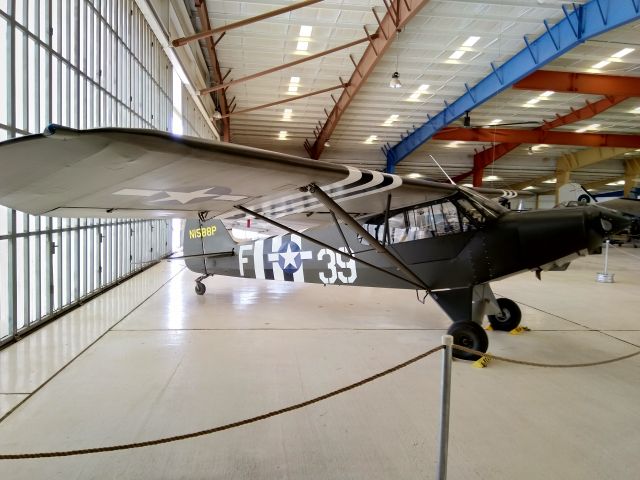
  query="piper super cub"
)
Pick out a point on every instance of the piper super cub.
point(344, 225)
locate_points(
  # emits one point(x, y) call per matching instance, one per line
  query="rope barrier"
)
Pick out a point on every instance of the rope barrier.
point(128, 446)
point(228, 426)
point(544, 365)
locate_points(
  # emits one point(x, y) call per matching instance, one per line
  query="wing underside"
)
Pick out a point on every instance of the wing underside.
point(144, 174)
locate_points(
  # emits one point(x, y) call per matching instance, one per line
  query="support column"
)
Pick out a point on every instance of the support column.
point(631, 174)
point(478, 172)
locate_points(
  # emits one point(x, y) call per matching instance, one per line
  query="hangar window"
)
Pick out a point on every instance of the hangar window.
point(83, 64)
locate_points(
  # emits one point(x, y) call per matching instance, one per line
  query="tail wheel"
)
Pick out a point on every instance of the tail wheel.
point(509, 318)
point(470, 335)
point(200, 288)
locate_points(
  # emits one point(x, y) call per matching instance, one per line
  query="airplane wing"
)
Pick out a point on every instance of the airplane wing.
point(115, 172)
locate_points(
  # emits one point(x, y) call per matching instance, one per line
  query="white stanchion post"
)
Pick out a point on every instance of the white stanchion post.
point(447, 353)
point(605, 277)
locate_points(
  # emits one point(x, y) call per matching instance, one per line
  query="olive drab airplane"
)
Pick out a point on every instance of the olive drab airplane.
point(345, 226)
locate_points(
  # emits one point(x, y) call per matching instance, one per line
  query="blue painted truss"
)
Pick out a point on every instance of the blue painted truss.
point(579, 24)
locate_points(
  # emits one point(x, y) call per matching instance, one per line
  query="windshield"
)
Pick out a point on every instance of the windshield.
point(490, 208)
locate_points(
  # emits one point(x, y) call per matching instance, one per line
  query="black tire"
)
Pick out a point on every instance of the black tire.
point(509, 318)
point(470, 335)
point(200, 288)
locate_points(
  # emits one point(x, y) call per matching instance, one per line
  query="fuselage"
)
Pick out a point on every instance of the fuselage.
point(469, 255)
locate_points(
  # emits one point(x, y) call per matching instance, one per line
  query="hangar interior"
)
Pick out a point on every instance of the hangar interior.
point(100, 345)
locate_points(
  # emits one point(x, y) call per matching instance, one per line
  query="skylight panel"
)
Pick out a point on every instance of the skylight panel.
point(305, 30)
point(623, 52)
point(470, 42)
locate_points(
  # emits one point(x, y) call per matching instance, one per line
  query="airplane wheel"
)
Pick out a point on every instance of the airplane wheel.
point(200, 288)
point(470, 335)
point(509, 318)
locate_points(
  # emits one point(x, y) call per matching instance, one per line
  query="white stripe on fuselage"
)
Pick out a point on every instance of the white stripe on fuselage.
point(274, 256)
point(258, 262)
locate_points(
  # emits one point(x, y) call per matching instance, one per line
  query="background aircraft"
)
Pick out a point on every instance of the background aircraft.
point(576, 194)
point(371, 229)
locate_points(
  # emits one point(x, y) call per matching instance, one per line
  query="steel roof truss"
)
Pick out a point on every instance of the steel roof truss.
point(584, 22)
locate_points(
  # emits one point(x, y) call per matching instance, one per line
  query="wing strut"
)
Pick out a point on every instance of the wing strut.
point(420, 285)
point(328, 202)
point(344, 239)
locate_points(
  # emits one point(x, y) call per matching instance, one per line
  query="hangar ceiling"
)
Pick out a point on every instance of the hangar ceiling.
point(432, 75)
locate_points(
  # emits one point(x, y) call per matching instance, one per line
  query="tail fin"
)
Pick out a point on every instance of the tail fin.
point(574, 192)
point(201, 238)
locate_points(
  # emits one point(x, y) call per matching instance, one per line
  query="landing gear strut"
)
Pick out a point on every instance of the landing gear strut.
point(200, 287)
point(509, 317)
point(470, 335)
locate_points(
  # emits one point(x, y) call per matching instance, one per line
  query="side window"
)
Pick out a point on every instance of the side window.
point(398, 228)
point(446, 218)
point(436, 220)
point(427, 221)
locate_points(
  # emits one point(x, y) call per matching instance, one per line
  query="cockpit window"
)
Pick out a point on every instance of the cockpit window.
point(458, 213)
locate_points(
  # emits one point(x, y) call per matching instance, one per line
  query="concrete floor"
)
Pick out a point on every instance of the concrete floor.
point(150, 359)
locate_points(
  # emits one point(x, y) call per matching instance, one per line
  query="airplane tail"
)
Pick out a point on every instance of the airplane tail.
point(205, 238)
point(574, 192)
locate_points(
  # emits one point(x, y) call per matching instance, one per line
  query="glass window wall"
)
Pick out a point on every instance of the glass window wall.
point(83, 64)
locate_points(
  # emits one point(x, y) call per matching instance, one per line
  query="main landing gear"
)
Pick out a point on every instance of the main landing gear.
point(471, 334)
point(509, 317)
point(201, 287)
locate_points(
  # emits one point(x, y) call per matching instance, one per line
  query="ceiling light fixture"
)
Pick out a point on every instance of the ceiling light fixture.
point(217, 115)
point(305, 30)
point(600, 65)
point(456, 55)
point(470, 42)
point(293, 84)
point(593, 126)
point(623, 52)
point(390, 120)
point(490, 178)
point(395, 77)
point(395, 81)
point(415, 96)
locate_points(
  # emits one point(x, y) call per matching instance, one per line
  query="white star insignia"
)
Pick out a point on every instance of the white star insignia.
point(289, 257)
point(186, 197)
